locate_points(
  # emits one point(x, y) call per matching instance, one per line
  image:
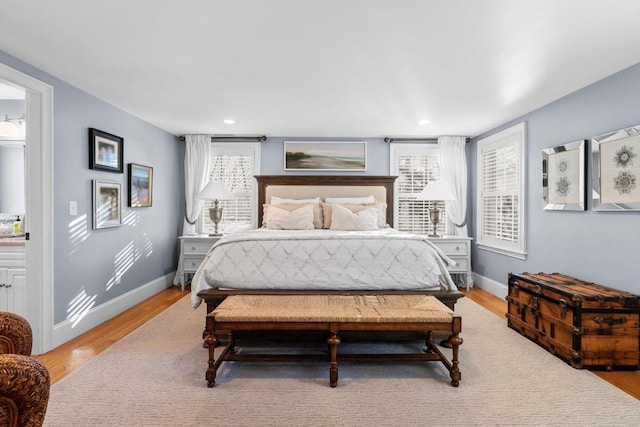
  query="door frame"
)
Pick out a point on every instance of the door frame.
point(39, 204)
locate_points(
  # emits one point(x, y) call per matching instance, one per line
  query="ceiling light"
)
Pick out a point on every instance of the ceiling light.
point(423, 122)
point(7, 128)
point(229, 121)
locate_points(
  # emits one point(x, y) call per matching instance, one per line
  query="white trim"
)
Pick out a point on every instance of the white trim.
point(493, 287)
point(39, 203)
point(514, 134)
point(65, 331)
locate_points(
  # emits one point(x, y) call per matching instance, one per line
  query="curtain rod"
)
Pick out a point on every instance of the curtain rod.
point(233, 138)
point(422, 140)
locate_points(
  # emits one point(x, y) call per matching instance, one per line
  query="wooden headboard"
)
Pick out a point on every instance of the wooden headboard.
point(331, 185)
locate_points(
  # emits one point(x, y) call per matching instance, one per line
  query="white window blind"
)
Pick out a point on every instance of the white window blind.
point(500, 189)
point(415, 165)
point(235, 165)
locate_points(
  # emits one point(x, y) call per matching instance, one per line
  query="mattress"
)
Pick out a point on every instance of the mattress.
point(384, 259)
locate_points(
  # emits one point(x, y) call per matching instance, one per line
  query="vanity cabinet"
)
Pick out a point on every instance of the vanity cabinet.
point(13, 279)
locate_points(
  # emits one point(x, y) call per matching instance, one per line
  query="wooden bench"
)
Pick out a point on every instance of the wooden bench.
point(332, 314)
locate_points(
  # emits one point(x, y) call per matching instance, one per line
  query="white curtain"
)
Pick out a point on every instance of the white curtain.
point(196, 169)
point(453, 165)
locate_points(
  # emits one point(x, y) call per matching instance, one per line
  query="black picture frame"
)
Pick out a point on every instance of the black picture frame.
point(106, 151)
point(140, 183)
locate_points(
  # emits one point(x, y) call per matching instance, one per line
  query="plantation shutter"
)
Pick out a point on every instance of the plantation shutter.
point(235, 167)
point(500, 219)
point(501, 193)
point(415, 166)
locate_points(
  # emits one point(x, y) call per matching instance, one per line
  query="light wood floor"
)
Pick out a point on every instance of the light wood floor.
point(75, 353)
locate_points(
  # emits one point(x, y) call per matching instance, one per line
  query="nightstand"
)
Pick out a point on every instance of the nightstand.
point(458, 249)
point(193, 250)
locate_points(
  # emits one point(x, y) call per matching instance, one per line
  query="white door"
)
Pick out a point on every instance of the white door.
point(38, 280)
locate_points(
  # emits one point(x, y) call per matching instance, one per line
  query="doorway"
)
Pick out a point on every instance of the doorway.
point(38, 165)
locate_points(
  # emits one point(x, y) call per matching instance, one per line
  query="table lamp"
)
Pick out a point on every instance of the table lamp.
point(435, 191)
point(216, 191)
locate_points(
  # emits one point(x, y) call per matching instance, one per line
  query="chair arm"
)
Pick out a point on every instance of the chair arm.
point(24, 390)
point(16, 336)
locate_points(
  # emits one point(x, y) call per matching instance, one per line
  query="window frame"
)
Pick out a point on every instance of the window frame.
point(411, 149)
point(512, 136)
point(233, 148)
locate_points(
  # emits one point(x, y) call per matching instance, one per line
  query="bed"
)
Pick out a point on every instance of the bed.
point(319, 260)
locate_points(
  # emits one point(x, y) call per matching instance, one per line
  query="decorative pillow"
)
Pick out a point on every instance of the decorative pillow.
point(344, 219)
point(317, 212)
point(381, 207)
point(282, 219)
point(277, 200)
point(342, 200)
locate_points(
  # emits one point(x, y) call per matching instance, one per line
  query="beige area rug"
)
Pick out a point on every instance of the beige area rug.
point(155, 377)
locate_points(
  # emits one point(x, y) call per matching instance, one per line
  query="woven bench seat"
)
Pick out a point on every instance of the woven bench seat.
point(334, 314)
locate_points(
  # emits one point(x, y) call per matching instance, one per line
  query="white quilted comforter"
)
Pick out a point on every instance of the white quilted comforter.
point(323, 259)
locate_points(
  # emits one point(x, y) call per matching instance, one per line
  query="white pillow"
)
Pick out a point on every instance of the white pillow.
point(381, 207)
point(282, 219)
point(343, 219)
point(277, 200)
point(368, 199)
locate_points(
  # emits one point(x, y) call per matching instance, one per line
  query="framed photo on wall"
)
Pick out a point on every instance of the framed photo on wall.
point(107, 206)
point(140, 186)
point(563, 177)
point(616, 170)
point(325, 156)
point(105, 151)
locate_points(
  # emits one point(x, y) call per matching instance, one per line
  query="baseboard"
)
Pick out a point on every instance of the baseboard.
point(69, 329)
point(493, 287)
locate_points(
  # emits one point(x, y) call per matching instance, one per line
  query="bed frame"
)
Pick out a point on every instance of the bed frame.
point(304, 186)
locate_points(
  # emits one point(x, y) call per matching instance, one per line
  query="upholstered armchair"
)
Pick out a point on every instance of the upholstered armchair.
point(24, 381)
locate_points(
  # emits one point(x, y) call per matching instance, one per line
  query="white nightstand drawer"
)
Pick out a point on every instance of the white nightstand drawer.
point(191, 263)
point(452, 248)
point(200, 248)
point(462, 265)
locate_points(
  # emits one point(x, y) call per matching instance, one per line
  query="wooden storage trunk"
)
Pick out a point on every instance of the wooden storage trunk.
point(585, 324)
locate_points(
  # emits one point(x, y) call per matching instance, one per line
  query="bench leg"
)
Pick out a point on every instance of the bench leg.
point(210, 342)
point(455, 341)
point(333, 342)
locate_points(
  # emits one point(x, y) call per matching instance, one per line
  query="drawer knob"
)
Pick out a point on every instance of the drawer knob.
point(193, 248)
point(457, 248)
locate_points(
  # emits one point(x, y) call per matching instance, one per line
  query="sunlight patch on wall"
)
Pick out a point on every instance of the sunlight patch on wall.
point(79, 307)
point(78, 232)
point(131, 218)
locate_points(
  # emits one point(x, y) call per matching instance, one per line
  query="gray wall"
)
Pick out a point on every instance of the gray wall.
point(272, 153)
point(601, 247)
point(144, 248)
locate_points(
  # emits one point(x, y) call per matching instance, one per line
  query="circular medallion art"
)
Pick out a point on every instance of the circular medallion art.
point(625, 182)
point(624, 157)
point(563, 186)
point(563, 166)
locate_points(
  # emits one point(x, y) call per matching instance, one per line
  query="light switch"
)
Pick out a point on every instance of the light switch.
point(73, 208)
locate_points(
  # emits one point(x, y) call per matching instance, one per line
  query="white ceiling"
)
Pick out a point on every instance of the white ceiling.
point(350, 68)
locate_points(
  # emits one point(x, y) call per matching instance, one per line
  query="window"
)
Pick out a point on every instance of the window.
point(500, 210)
point(235, 164)
point(415, 165)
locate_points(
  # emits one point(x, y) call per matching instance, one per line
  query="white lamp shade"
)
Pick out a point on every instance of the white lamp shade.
point(215, 190)
point(436, 190)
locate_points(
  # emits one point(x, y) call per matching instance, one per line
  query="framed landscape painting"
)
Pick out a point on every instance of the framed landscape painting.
point(325, 156)
point(140, 186)
point(616, 170)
